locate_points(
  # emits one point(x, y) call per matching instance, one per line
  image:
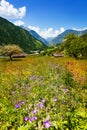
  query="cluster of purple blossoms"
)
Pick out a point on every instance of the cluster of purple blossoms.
point(40, 105)
point(30, 119)
point(33, 118)
point(47, 124)
point(17, 105)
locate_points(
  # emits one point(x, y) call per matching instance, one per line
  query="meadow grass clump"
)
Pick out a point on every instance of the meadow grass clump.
point(37, 93)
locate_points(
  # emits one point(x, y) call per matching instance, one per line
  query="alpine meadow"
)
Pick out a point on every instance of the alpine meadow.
point(43, 83)
point(43, 92)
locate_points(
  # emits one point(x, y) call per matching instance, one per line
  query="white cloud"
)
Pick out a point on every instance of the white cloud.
point(62, 29)
point(84, 28)
point(19, 23)
point(7, 10)
point(79, 29)
point(46, 33)
point(35, 28)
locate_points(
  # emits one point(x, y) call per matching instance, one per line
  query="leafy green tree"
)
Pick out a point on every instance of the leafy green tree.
point(9, 50)
point(84, 49)
point(73, 45)
point(84, 45)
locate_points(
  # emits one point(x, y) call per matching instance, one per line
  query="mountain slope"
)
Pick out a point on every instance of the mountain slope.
point(59, 38)
point(11, 34)
point(36, 35)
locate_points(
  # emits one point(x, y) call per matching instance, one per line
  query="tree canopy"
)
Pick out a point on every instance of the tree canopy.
point(74, 46)
point(9, 50)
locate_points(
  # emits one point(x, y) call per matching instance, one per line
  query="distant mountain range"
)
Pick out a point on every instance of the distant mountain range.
point(49, 39)
point(11, 34)
point(36, 35)
point(28, 39)
point(60, 38)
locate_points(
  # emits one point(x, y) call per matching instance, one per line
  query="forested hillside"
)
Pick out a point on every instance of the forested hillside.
point(11, 34)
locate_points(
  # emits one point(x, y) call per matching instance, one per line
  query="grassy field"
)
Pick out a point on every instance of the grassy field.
point(39, 93)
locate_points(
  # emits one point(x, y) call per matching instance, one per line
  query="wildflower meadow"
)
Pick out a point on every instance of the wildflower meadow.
point(43, 92)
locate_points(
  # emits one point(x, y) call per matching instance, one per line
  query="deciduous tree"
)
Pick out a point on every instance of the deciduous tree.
point(9, 50)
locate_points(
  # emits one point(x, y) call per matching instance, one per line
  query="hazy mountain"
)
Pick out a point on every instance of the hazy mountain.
point(11, 34)
point(36, 35)
point(49, 39)
point(59, 38)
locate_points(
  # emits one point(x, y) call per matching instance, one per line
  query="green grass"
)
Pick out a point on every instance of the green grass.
point(40, 92)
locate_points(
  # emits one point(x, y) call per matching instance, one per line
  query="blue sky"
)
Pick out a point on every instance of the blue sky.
point(47, 17)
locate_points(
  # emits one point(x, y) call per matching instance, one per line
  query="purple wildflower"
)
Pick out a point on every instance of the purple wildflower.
point(63, 117)
point(43, 100)
point(47, 124)
point(34, 112)
point(32, 77)
point(26, 118)
point(17, 105)
point(22, 102)
point(33, 118)
point(55, 99)
point(64, 89)
point(40, 105)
